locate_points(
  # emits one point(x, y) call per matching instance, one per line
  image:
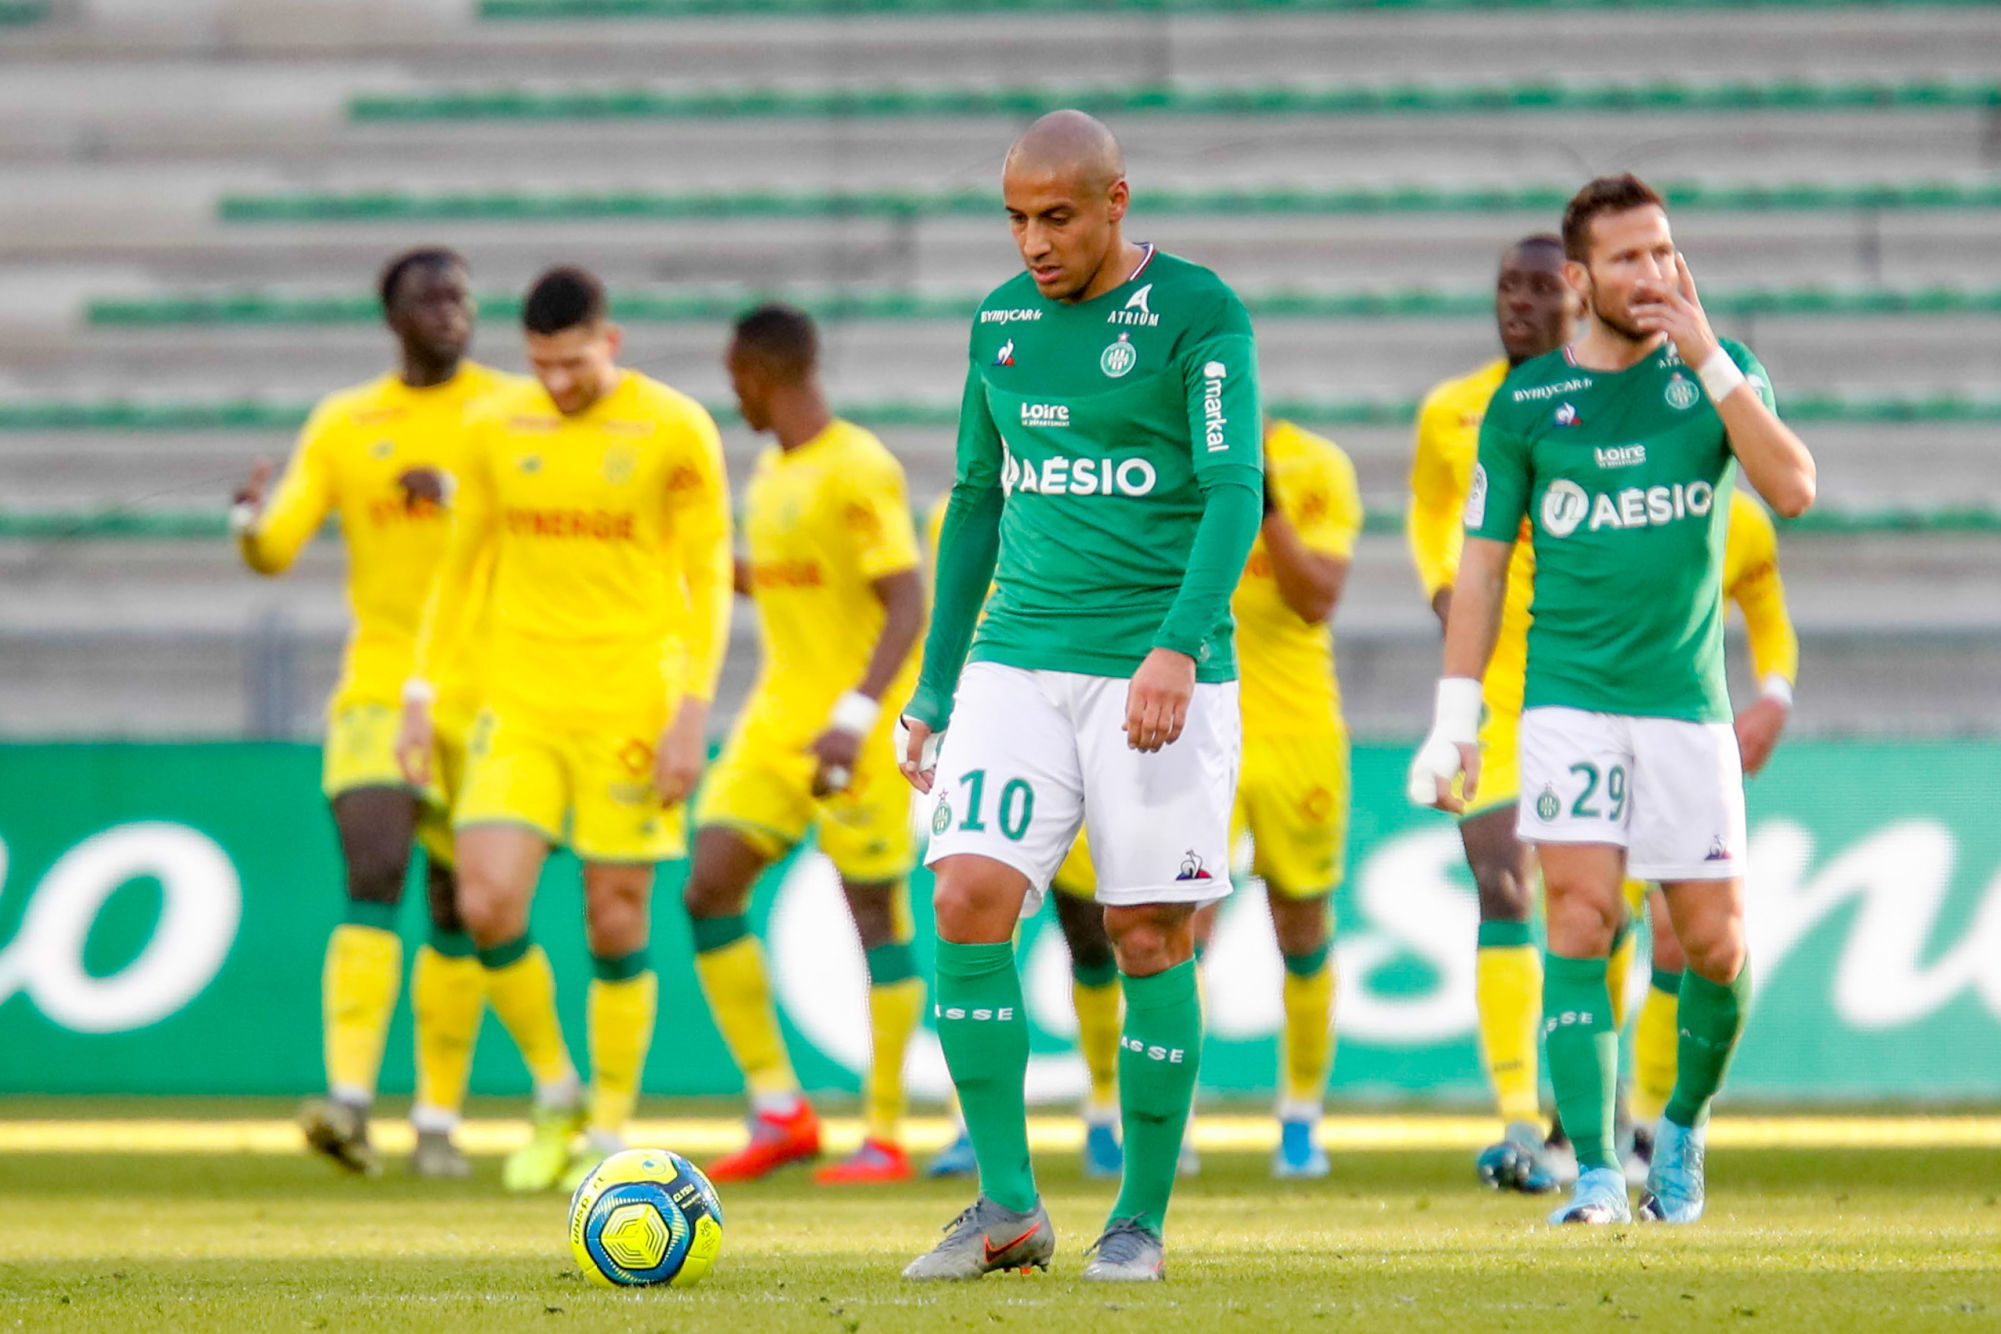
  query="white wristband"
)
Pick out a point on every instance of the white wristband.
point(242, 518)
point(854, 712)
point(417, 691)
point(1456, 717)
point(1720, 376)
point(1777, 687)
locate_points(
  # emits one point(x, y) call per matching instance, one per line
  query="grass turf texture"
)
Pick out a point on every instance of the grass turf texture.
point(1885, 1240)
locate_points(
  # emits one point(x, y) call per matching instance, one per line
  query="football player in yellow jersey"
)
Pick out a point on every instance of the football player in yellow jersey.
point(381, 455)
point(1536, 312)
point(834, 572)
point(596, 501)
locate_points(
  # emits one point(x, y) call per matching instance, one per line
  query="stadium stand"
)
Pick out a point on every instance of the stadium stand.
point(194, 197)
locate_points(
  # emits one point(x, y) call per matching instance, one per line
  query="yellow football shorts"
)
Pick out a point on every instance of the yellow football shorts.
point(579, 783)
point(1293, 798)
point(764, 792)
point(360, 752)
point(1500, 765)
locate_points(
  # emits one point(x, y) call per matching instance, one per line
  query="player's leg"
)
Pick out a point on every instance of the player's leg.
point(1094, 991)
point(624, 999)
point(1160, 835)
point(881, 914)
point(1689, 834)
point(447, 984)
point(1304, 928)
point(1657, 1034)
point(1006, 806)
point(363, 970)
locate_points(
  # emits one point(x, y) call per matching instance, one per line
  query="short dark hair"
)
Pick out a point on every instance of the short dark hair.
point(1549, 240)
point(423, 257)
point(563, 298)
point(783, 336)
point(1607, 194)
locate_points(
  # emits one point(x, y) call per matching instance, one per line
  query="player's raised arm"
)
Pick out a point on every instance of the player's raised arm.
point(699, 502)
point(968, 545)
point(271, 536)
point(452, 608)
point(1775, 459)
point(1225, 424)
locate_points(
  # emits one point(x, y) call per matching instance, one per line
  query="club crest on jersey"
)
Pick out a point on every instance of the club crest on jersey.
point(1005, 357)
point(620, 462)
point(382, 449)
point(1136, 311)
point(1681, 394)
point(1192, 868)
point(941, 818)
point(1119, 358)
point(530, 463)
point(1567, 415)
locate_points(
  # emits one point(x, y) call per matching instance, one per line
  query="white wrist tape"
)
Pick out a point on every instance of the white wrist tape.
point(927, 757)
point(1456, 715)
point(1720, 376)
point(416, 691)
point(242, 518)
point(1778, 688)
point(855, 712)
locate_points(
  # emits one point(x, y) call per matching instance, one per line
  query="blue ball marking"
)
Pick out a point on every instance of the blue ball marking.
point(660, 1196)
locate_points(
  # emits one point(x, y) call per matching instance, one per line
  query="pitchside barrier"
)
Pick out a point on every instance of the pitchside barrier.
point(165, 909)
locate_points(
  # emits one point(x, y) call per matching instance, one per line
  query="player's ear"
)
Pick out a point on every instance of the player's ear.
point(1579, 279)
point(614, 339)
point(1118, 199)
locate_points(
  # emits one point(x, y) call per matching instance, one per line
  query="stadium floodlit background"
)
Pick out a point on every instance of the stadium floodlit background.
point(195, 196)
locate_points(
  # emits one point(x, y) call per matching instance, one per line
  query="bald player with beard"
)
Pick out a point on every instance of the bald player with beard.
point(1109, 487)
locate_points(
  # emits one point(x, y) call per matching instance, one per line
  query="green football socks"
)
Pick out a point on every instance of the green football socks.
point(1582, 1051)
point(983, 1029)
point(1711, 1018)
point(1158, 1055)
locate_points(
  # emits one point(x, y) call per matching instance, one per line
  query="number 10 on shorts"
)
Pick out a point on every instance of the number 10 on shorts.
point(1015, 808)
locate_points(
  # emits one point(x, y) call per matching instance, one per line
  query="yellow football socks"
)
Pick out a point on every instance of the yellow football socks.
point(1508, 993)
point(730, 964)
point(364, 968)
point(521, 987)
point(624, 996)
point(1655, 1040)
point(1619, 970)
point(1309, 1026)
point(447, 997)
point(895, 1007)
point(1095, 992)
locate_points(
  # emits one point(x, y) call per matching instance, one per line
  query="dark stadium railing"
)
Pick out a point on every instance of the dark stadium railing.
point(393, 205)
point(111, 523)
point(25, 415)
point(643, 103)
point(664, 9)
point(677, 307)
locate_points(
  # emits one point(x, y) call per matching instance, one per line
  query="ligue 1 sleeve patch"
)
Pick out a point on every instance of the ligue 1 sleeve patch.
point(1476, 498)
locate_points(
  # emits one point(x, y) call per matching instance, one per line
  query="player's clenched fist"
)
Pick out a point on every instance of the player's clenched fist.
point(1157, 700)
point(1452, 748)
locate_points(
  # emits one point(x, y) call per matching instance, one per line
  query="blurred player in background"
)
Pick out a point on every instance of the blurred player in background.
point(835, 575)
point(382, 455)
point(1621, 449)
point(596, 500)
point(1109, 459)
point(1536, 311)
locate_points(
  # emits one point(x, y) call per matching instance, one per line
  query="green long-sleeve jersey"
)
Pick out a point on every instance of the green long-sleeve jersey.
point(1109, 481)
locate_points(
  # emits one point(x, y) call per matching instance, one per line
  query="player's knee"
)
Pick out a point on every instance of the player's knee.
point(872, 908)
point(706, 896)
point(1151, 938)
point(1504, 895)
point(976, 899)
point(1715, 948)
point(491, 916)
point(1300, 925)
point(442, 894)
point(616, 920)
point(375, 872)
point(1581, 925)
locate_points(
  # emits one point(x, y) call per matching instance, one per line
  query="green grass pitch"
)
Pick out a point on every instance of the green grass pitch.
point(1877, 1240)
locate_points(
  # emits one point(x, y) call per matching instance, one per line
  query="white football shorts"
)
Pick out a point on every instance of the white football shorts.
point(1030, 757)
point(1670, 792)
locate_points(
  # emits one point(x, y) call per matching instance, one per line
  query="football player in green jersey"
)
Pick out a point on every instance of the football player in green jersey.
point(1109, 487)
point(1620, 448)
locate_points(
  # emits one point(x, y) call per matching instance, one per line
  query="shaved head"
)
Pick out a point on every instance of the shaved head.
point(1064, 183)
point(1068, 145)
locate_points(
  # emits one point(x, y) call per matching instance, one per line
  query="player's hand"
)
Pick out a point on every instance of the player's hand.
point(415, 742)
point(1450, 750)
point(1758, 729)
point(917, 752)
point(677, 760)
point(1674, 309)
point(251, 493)
point(836, 752)
point(1157, 700)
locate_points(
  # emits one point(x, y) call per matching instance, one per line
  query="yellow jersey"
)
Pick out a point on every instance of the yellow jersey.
point(605, 537)
point(822, 523)
point(356, 447)
point(1448, 441)
point(1286, 662)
